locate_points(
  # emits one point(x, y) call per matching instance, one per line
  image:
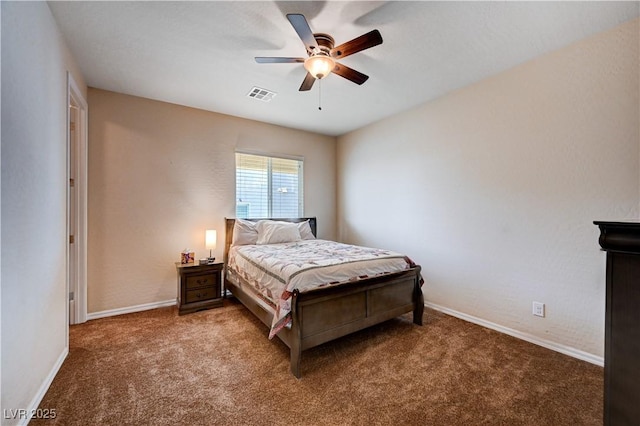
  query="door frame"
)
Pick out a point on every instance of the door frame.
point(77, 165)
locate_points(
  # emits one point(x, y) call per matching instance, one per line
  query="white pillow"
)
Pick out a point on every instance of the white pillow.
point(244, 232)
point(305, 230)
point(272, 232)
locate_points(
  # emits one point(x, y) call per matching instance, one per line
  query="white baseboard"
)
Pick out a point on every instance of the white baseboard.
point(563, 349)
point(37, 399)
point(131, 309)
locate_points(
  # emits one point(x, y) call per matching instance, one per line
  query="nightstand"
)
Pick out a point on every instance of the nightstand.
point(199, 287)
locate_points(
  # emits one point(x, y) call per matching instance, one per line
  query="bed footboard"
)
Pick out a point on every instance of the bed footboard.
point(324, 315)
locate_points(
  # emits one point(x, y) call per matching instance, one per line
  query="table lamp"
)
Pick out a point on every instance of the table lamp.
point(210, 240)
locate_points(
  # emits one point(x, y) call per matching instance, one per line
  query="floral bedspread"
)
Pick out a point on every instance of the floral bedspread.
point(276, 270)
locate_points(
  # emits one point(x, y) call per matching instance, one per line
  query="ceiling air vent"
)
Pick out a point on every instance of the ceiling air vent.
point(261, 94)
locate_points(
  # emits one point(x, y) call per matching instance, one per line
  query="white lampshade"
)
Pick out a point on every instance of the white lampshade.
point(210, 239)
point(319, 66)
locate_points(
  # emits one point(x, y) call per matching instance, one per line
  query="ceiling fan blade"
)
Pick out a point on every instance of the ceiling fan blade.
point(350, 74)
point(276, 60)
point(301, 26)
point(307, 83)
point(365, 41)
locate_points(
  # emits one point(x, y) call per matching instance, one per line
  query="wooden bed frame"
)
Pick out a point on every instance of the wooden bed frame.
point(325, 314)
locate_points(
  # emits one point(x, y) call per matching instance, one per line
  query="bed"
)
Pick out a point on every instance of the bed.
point(317, 315)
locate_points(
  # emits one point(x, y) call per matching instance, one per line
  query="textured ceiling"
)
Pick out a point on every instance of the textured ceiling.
point(201, 54)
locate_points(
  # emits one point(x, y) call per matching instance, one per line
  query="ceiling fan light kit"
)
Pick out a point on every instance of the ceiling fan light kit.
point(322, 53)
point(319, 65)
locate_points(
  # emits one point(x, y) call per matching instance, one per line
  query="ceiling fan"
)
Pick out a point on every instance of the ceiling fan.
point(322, 53)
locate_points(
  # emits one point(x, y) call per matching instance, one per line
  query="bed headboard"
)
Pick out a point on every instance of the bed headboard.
point(228, 238)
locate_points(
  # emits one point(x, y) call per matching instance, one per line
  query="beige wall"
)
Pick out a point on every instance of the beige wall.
point(35, 61)
point(493, 188)
point(160, 174)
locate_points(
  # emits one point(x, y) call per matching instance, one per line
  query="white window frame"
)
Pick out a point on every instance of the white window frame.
point(270, 156)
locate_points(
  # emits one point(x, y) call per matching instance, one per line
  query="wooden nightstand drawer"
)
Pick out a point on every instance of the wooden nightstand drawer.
point(199, 287)
point(196, 281)
point(205, 293)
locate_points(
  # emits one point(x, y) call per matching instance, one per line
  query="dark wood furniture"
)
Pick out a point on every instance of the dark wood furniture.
point(621, 240)
point(328, 313)
point(199, 287)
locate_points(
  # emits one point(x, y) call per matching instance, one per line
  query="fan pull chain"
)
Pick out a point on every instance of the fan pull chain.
point(320, 95)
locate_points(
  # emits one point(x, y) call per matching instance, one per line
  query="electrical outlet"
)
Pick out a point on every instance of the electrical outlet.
point(538, 309)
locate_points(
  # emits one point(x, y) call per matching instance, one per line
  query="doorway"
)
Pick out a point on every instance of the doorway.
point(76, 203)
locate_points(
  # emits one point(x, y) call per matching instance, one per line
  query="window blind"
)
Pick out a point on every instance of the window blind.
point(268, 186)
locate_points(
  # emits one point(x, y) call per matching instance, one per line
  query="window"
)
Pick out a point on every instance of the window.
point(268, 186)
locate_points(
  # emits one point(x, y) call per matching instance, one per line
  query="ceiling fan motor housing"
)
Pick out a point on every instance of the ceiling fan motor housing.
point(325, 42)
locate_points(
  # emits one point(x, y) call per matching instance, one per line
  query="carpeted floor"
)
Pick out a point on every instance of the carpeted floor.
point(218, 367)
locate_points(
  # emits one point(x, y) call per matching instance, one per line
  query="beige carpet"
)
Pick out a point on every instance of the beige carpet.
point(218, 367)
